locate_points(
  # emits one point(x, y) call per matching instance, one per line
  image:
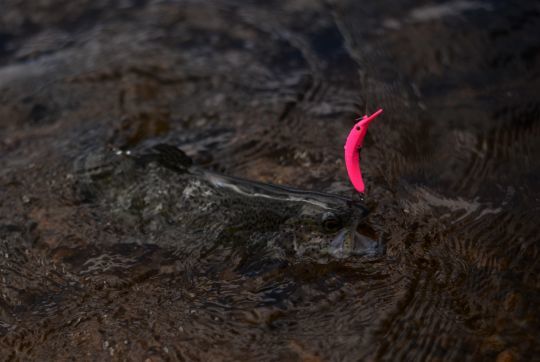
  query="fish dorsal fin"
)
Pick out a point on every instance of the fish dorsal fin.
point(173, 157)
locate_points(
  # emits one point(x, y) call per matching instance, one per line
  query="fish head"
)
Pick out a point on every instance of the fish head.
point(331, 227)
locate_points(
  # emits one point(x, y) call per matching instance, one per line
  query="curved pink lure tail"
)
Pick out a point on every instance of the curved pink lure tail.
point(354, 143)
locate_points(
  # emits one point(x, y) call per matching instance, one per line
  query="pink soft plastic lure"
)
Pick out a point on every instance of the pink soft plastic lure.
point(353, 146)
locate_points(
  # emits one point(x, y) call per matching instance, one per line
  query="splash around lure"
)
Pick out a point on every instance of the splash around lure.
point(353, 146)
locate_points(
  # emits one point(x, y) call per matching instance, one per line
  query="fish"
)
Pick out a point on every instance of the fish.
point(161, 196)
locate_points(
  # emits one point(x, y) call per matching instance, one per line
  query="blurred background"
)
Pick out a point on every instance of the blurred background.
point(268, 90)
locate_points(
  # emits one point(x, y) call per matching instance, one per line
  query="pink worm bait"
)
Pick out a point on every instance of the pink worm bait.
point(354, 143)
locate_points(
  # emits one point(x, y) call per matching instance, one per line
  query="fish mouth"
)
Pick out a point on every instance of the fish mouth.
point(349, 242)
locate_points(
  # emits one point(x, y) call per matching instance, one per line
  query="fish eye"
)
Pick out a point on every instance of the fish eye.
point(331, 222)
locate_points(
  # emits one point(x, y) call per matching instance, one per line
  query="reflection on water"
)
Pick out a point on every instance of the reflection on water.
point(130, 265)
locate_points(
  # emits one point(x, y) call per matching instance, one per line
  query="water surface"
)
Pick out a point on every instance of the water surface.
point(268, 91)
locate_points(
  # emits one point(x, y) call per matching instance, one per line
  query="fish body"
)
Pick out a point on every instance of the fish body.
point(162, 196)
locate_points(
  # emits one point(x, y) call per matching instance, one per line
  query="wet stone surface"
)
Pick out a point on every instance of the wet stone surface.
point(105, 257)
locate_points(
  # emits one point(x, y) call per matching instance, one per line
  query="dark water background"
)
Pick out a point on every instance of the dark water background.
point(268, 90)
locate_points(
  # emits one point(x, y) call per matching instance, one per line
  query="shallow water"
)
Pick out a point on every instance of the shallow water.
point(268, 91)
